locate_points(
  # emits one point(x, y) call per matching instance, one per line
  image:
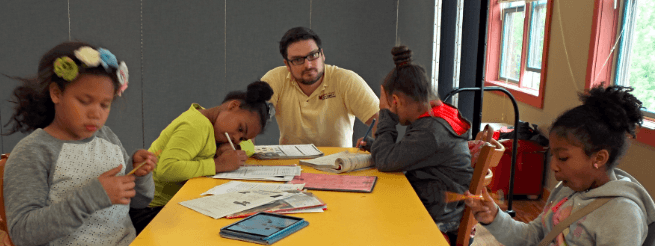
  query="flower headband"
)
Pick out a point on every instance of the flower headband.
point(67, 69)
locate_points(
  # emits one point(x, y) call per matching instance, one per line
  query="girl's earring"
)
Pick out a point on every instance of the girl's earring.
point(596, 165)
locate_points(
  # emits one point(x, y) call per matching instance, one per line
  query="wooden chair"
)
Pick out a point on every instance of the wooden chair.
point(4, 232)
point(490, 155)
point(475, 146)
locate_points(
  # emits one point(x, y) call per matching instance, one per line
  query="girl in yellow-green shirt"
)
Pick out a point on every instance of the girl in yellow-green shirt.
point(195, 144)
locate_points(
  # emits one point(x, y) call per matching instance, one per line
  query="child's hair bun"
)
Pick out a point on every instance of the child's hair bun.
point(258, 92)
point(616, 106)
point(401, 55)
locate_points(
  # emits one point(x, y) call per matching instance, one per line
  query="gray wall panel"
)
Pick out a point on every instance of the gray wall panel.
point(253, 32)
point(416, 30)
point(357, 35)
point(183, 49)
point(29, 29)
point(115, 26)
point(198, 52)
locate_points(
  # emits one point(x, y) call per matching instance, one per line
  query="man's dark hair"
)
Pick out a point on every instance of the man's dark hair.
point(296, 34)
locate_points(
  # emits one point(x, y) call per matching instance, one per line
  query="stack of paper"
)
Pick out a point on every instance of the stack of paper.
point(218, 206)
point(236, 186)
point(256, 172)
point(299, 202)
point(298, 151)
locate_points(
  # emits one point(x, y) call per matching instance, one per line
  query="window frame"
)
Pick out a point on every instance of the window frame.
point(494, 49)
point(603, 35)
point(527, 63)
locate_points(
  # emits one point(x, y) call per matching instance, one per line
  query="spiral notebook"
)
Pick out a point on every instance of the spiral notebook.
point(340, 162)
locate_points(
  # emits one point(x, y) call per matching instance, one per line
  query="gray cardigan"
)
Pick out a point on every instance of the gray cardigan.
point(434, 157)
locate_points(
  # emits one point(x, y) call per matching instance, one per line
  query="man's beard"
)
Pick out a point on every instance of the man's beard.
point(311, 82)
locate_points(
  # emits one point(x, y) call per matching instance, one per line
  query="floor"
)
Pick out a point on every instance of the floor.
point(526, 209)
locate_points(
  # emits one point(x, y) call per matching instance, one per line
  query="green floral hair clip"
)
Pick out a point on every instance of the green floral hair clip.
point(66, 68)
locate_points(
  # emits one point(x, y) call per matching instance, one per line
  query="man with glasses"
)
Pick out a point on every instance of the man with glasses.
point(317, 103)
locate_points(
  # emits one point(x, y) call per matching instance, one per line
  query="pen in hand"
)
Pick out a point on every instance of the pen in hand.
point(368, 131)
point(232, 144)
point(230, 140)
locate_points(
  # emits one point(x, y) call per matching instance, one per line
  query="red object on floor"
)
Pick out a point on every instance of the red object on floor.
point(529, 173)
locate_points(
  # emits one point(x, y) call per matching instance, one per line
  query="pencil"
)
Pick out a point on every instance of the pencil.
point(136, 168)
point(141, 164)
point(230, 140)
point(368, 131)
point(453, 197)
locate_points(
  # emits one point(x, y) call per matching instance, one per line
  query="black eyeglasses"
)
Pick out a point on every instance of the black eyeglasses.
point(301, 60)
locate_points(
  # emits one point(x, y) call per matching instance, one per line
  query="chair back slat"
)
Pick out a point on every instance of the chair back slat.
point(490, 155)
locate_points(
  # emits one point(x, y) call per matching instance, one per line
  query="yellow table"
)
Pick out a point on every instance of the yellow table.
point(391, 215)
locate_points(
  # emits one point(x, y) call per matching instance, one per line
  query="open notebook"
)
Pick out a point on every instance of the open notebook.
point(340, 162)
point(298, 151)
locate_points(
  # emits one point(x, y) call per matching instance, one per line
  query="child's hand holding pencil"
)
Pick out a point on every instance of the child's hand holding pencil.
point(230, 159)
point(143, 162)
point(361, 143)
point(483, 207)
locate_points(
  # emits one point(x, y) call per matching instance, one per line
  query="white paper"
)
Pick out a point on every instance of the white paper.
point(308, 149)
point(272, 178)
point(235, 186)
point(302, 200)
point(306, 210)
point(286, 151)
point(219, 206)
point(290, 150)
point(276, 173)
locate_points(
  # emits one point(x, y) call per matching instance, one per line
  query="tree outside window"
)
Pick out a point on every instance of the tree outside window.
point(636, 60)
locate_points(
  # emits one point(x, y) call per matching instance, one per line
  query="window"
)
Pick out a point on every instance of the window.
point(512, 42)
point(621, 49)
point(515, 47)
point(635, 64)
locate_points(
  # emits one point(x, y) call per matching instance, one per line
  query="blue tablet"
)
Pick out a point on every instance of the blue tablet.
point(263, 228)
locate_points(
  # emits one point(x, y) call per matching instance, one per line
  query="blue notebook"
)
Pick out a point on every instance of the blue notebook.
point(263, 228)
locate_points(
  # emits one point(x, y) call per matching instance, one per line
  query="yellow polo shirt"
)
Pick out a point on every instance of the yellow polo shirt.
point(327, 116)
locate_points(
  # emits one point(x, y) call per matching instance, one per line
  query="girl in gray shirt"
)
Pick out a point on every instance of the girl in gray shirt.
point(65, 183)
point(434, 152)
